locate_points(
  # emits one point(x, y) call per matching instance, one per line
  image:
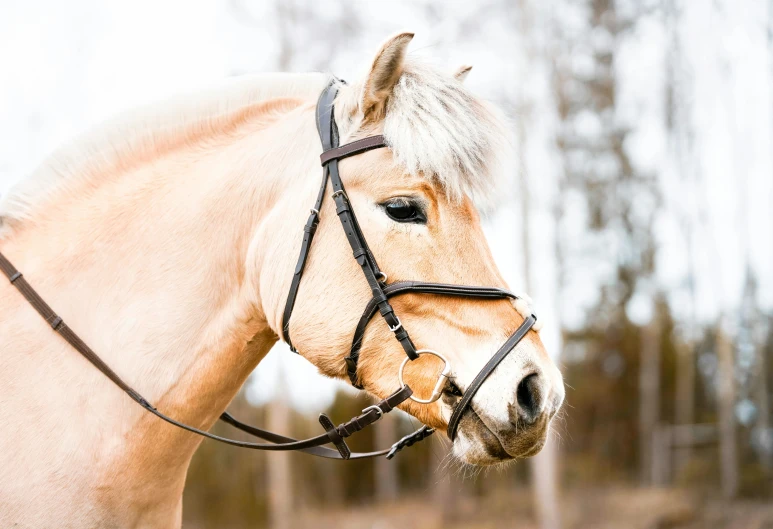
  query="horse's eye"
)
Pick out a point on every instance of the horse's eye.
point(402, 210)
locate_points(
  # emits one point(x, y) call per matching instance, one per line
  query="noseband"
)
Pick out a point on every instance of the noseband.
point(379, 302)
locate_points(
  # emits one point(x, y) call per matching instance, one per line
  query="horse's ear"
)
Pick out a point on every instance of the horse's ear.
point(384, 74)
point(461, 73)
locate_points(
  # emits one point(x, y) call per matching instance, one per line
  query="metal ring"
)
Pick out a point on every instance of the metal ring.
point(374, 407)
point(441, 381)
point(383, 276)
point(315, 211)
point(396, 327)
point(339, 192)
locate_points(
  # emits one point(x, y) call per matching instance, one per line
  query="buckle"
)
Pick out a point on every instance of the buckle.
point(373, 407)
point(396, 327)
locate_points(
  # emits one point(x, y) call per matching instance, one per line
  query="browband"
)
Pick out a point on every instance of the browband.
point(350, 149)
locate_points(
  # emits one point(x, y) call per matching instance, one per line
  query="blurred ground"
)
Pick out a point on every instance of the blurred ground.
point(617, 508)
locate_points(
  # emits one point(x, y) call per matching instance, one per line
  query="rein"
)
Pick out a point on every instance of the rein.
point(381, 294)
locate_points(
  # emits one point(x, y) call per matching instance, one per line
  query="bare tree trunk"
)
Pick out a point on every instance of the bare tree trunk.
point(649, 397)
point(661, 455)
point(544, 465)
point(443, 490)
point(685, 398)
point(386, 486)
point(280, 491)
point(763, 405)
point(333, 494)
point(544, 475)
point(762, 388)
point(726, 396)
point(544, 479)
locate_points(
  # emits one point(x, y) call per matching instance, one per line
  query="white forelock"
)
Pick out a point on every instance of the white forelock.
point(438, 128)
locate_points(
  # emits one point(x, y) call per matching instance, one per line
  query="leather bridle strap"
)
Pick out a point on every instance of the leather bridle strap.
point(313, 445)
point(361, 251)
point(380, 295)
point(413, 287)
point(491, 365)
point(321, 451)
point(381, 292)
point(350, 149)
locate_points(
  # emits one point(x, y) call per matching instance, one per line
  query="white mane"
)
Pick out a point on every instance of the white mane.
point(131, 134)
point(434, 126)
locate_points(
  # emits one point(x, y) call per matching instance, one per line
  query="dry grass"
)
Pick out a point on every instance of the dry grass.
point(614, 508)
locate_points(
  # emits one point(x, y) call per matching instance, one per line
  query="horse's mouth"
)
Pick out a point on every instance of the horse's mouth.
point(494, 446)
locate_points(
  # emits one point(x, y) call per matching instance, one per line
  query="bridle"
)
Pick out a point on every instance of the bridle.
point(381, 294)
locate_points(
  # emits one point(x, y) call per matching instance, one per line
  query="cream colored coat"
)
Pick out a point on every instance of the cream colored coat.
point(167, 241)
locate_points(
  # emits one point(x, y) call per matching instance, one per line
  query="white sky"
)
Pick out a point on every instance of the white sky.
point(67, 66)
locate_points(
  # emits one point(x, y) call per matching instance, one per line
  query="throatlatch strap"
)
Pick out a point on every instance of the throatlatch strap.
point(329, 138)
point(346, 215)
point(308, 236)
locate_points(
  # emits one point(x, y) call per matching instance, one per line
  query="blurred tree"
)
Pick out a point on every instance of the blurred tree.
point(627, 380)
point(681, 140)
point(606, 208)
point(385, 472)
point(280, 487)
point(544, 466)
point(727, 430)
point(442, 480)
point(649, 401)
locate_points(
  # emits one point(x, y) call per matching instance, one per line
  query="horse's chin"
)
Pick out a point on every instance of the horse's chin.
point(478, 444)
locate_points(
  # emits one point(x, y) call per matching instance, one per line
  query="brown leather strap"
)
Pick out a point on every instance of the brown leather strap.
point(381, 293)
point(311, 445)
point(329, 139)
point(308, 235)
point(353, 148)
point(321, 451)
point(56, 323)
point(491, 365)
point(328, 133)
point(413, 287)
point(379, 301)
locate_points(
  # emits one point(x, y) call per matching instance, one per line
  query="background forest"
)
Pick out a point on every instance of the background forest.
point(638, 217)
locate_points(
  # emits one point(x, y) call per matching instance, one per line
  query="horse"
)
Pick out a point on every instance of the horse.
point(166, 238)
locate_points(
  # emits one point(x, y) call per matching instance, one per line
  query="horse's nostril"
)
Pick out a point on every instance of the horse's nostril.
point(529, 398)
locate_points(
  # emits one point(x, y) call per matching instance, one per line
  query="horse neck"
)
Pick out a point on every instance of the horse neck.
point(159, 269)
